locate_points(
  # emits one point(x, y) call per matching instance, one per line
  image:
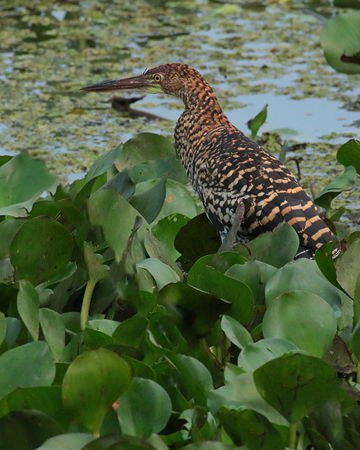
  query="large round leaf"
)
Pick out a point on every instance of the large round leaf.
point(340, 39)
point(93, 381)
point(295, 385)
point(302, 318)
point(292, 278)
point(40, 250)
point(29, 365)
point(144, 409)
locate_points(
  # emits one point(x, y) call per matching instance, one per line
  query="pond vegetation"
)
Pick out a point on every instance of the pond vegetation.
point(121, 325)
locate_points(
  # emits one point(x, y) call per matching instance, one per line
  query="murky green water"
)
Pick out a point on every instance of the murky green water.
point(252, 54)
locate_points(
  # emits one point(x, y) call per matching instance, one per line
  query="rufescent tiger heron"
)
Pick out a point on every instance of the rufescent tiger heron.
point(224, 166)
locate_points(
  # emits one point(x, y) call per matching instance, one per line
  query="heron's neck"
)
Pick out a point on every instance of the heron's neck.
point(201, 102)
point(202, 115)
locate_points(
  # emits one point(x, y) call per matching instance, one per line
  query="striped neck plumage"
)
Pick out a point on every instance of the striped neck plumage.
point(201, 102)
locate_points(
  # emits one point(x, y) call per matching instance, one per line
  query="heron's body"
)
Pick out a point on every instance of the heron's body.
point(224, 166)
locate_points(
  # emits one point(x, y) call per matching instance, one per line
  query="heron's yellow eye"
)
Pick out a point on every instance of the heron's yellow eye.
point(157, 78)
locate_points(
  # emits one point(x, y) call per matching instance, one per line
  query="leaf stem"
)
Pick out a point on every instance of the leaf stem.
point(85, 307)
point(206, 347)
point(292, 440)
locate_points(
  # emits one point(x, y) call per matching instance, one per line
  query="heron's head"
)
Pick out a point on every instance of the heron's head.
point(174, 79)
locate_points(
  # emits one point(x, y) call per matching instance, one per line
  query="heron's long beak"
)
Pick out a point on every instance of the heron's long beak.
point(138, 83)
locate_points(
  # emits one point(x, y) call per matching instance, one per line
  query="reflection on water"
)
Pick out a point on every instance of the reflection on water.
point(261, 54)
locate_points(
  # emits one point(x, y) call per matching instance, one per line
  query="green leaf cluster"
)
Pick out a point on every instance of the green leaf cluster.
point(123, 327)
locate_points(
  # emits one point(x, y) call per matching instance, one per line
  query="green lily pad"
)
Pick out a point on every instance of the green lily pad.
point(28, 365)
point(340, 38)
point(142, 400)
point(296, 384)
point(47, 256)
point(93, 381)
point(303, 318)
point(291, 278)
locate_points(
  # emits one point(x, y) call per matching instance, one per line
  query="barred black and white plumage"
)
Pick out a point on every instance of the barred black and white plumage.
point(224, 166)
